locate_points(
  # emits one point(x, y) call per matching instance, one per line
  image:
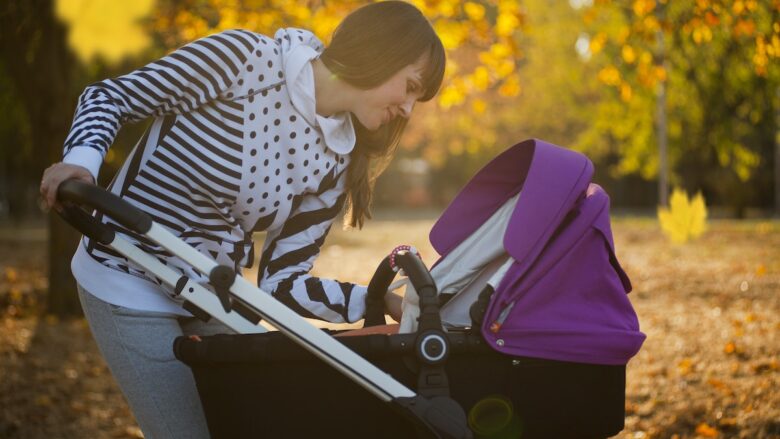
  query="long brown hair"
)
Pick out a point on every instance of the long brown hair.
point(370, 46)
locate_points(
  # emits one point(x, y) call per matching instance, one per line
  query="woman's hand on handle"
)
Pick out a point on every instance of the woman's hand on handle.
point(55, 174)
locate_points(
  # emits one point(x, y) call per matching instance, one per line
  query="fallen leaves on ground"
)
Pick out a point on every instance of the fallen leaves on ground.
point(709, 367)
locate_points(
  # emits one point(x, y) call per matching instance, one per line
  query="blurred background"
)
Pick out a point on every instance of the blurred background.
point(665, 97)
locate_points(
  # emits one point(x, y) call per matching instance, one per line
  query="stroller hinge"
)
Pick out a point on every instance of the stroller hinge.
point(222, 278)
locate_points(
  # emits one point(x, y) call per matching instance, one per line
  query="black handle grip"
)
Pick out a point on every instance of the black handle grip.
point(414, 268)
point(86, 224)
point(85, 194)
point(375, 296)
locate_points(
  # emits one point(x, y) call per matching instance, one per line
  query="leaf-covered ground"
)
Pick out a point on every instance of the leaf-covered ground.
point(709, 368)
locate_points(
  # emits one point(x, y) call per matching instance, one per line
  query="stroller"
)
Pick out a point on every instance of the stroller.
point(530, 342)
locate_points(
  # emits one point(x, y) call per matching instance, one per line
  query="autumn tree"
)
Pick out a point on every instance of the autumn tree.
point(707, 67)
point(103, 33)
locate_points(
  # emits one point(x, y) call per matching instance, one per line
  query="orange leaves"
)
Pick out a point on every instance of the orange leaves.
point(20, 290)
point(510, 87)
point(685, 366)
point(720, 385)
point(705, 430)
point(744, 28)
point(704, 22)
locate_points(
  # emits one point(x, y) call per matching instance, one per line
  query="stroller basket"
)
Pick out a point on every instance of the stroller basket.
point(263, 385)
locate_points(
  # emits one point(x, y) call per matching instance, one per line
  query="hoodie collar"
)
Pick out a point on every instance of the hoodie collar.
point(299, 48)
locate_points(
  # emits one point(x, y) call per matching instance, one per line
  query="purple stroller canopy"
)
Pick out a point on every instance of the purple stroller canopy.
point(565, 295)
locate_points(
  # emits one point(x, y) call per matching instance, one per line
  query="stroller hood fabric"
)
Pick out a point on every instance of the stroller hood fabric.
point(565, 295)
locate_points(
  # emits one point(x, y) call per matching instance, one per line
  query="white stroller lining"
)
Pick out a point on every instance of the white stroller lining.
point(478, 260)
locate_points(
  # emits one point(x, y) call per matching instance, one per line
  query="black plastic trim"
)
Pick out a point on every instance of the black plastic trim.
point(85, 194)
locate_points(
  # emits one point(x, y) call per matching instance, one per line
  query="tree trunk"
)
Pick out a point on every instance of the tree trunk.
point(661, 121)
point(777, 153)
point(33, 46)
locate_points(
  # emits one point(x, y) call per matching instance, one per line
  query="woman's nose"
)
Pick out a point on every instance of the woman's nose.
point(406, 108)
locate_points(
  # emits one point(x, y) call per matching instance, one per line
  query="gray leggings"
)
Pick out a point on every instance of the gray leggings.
point(138, 347)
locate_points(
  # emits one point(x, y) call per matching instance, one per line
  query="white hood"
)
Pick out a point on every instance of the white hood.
point(299, 48)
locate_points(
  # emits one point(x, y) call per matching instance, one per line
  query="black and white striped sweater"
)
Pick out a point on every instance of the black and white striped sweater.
point(235, 148)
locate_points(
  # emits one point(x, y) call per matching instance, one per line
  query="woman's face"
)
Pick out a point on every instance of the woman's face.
point(395, 98)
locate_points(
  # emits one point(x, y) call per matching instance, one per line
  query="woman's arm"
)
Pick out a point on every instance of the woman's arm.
point(189, 77)
point(289, 254)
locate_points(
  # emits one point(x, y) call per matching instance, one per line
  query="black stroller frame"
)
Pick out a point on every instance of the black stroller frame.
point(241, 305)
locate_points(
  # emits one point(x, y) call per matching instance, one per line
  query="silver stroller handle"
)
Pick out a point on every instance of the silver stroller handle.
point(436, 416)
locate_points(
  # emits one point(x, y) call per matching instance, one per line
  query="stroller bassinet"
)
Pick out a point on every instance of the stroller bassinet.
point(544, 356)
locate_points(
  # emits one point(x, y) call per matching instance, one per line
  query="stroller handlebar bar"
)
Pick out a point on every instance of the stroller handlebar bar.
point(74, 193)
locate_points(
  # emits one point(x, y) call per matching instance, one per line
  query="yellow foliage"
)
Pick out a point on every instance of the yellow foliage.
point(702, 34)
point(738, 7)
point(485, 28)
point(625, 92)
point(446, 9)
point(500, 50)
point(650, 24)
point(505, 68)
point(481, 78)
point(474, 11)
point(628, 53)
point(451, 33)
point(643, 7)
point(506, 24)
point(450, 96)
point(646, 57)
point(609, 75)
point(105, 28)
point(597, 43)
point(479, 106)
point(685, 218)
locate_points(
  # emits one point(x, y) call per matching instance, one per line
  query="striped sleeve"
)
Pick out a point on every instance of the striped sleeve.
point(180, 82)
point(289, 254)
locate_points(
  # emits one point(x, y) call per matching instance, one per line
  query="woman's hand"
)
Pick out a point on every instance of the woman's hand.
point(55, 174)
point(393, 306)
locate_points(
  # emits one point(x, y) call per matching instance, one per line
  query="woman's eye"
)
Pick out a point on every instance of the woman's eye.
point(411, 87)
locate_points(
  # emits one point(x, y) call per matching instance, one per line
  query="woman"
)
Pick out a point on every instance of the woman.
point(250, 134)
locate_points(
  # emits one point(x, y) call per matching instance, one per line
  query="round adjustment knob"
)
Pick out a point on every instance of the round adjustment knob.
point(432, 348)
